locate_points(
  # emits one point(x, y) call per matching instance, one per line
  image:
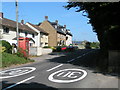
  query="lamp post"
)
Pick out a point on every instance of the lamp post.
point(17, 34)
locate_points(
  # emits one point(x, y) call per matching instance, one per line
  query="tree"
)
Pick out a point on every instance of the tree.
point(104, 17)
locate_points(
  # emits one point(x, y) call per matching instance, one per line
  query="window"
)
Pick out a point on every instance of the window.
point(19, 31)
point(33, 35)
point(41, 35)
point(6, 30)
point(26, 33)
point(31, 44)
point(55, 26)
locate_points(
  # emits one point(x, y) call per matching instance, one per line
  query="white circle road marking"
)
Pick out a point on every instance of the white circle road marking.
point(69, 74)
point(16, 72)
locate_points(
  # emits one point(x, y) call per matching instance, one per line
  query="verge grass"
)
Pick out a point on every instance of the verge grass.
point(10, 59)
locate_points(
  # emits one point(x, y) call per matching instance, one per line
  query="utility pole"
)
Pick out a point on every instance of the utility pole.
point(17, 34)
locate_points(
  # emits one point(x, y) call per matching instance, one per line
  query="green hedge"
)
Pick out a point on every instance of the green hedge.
point(7, 46)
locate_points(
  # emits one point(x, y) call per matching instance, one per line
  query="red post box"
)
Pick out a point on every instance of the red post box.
point(24, 45)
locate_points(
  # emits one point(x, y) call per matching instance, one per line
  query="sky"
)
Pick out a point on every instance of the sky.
point(34, 12)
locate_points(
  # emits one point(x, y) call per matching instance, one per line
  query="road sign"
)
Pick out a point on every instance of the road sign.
point(16, 72)
point(67, 75)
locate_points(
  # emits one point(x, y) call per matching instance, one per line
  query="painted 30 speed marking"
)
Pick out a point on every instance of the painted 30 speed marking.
point(67, 75)
point(16, 72)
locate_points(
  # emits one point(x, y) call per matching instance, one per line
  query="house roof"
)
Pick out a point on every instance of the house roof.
point(11, 23)
point(69, 33)
point(59, 28)
point(60, 31)
point(38, 28)
point(52, 23)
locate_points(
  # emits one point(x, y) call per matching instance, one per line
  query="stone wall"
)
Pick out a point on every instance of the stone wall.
point(37, 51)
point(46, 50)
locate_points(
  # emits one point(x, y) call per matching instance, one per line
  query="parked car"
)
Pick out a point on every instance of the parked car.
point(63, 48)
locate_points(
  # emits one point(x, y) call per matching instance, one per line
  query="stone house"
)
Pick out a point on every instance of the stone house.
point(52, 37)
point(57, 33)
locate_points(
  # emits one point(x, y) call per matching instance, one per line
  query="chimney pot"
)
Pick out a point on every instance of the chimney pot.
point(56, 21)
point(64, 26)
point(46, 17)
point(1, 14)
point(22, 21)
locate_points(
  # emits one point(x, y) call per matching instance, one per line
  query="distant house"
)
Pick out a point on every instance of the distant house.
point(57, 33)
point(68, 37)
point(8, 31)
point(42, 35)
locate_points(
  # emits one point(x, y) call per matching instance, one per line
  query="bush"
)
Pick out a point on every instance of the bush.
point(58, 48)
point(22, 53)
point(2, 49)
point(7, 46)
point(19, 54)
point(95, 45)
point(46, 47)
point(53, 49)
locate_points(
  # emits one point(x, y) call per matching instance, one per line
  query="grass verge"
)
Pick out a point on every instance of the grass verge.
point(10, 59)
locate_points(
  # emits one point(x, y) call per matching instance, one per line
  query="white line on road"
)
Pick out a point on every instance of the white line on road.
point(54, 67)
point(79, 56)
point(71, 60)
point(19, 83)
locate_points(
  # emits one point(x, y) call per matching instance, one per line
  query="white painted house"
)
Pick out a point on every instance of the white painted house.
point(42, 35)
point(8, 31)
point(68, 37)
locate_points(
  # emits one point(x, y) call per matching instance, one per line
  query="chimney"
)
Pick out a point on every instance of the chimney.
point(46, 18)
point(64, 26)
point(56, 21)
point(1, 15)
point(22, 21)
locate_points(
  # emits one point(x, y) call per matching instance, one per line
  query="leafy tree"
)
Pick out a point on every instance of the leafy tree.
point(104, 17)
point(94, 45)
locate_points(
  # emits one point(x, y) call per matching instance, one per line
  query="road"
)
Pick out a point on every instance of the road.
point(57, 71)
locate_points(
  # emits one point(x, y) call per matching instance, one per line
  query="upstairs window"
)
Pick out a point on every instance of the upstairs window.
point(56, 26)
point(5, 30)
point(26, 33)
point(33, 35)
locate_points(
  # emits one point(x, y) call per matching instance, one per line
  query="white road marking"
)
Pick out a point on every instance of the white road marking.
point(71, 60)
point(79, 56)
point(16, 72)
point(54, 67)
point(19, 83)
point(70, 74)
point(84, 54)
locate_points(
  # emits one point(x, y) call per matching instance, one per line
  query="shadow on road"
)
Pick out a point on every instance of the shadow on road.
point(92, 61)
point(32, 85)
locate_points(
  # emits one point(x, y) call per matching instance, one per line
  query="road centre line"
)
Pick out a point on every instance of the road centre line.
point(54, 67)
point(71, 60)
point(79, 56)
point(68, 61)
point(19, 82)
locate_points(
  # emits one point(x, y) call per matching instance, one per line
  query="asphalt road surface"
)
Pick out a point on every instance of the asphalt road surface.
point(57, 71)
